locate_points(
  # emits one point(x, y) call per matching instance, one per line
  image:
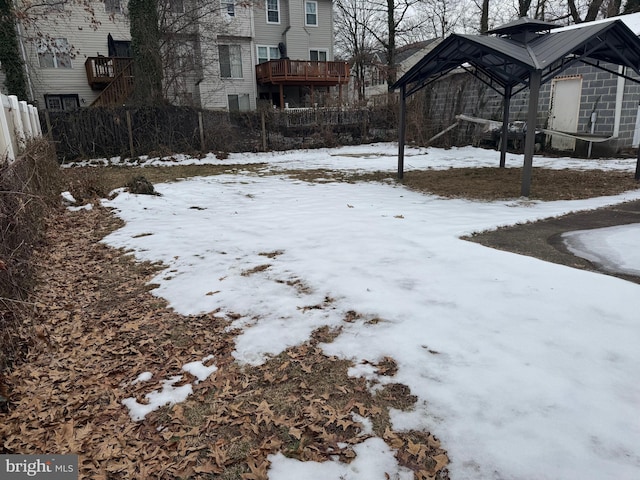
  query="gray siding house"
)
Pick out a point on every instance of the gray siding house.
point(227, 59)
point(294, 50)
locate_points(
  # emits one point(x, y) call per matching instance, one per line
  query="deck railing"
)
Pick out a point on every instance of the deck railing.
point(302, 71)
point(119, 88)
point(102, 70)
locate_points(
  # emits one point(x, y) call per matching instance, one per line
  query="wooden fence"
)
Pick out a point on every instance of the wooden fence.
point(19, 122)
point(134, 131)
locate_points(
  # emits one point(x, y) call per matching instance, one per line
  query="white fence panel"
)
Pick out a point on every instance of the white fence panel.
point(19, 123)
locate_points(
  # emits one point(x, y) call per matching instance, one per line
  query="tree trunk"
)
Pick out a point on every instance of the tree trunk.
point(391, 46)
point(484, 17)
point(145, 46)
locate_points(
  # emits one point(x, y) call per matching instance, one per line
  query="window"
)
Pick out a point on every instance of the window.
point(54, 53)
point(185, 55)
point(54, 5)
point(112, 6)
point(311, 13)
point(230, 61)
point(60, 103)
point(318, 55)
point(121, 48)
point(268, 53)
point(230, 7)
point(273, 11)
point(239, 103)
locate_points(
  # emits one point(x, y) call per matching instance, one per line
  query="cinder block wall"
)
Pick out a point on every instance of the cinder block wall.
point(460, 92)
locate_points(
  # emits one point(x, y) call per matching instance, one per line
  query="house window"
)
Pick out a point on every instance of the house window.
point(54, 53)
point(112, 6)
point(239, 103)
point(267, 53)
point(230, 61)
point(273, 11)
point(311, 13)
point(230, 7)
point(318, 55)
point(53, 5)
point(61, 103)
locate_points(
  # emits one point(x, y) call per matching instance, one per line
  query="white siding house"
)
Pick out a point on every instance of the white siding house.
point(74, 59)
point(60, 42)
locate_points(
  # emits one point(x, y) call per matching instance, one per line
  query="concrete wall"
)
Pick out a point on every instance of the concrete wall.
point(460, 92)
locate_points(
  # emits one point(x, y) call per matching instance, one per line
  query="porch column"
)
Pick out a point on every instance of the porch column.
point(312, 95)
point(505, 126)
point(401, 131)
point(340, 94)
point(530, 139)
point(281, 97)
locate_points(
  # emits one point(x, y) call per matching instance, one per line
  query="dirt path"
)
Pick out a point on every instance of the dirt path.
point(543, 239)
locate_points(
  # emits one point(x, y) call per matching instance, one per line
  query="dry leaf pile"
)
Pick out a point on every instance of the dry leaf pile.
point(97, 328)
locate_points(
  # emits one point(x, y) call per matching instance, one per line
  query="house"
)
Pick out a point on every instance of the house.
point(373, 81)
point(57, 43)
point(405, 58)
point(222, 54)
point(294, 53)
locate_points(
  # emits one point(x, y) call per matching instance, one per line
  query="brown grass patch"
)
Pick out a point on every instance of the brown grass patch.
point(87, 183)
point(494, 183)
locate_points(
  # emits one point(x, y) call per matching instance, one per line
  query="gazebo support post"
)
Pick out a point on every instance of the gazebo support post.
point(530, 139)
point(637, 177)
point(505, 126)
point(401, 131)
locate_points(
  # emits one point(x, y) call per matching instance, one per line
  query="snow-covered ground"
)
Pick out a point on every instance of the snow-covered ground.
point(525, 369)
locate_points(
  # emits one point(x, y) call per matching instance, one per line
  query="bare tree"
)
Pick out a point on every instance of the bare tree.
point(400, 22)
point(632, 6)
point(442, 17)
point(353, 21)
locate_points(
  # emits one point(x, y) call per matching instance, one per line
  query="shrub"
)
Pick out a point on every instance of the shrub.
point(29, 189)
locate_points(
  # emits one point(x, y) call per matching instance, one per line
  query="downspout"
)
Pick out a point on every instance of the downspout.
point(23, 52)
point(619, 97)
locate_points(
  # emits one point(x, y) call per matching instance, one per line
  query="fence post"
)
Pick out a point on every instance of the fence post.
point(17, 123)
point(47, 120)
point(130, 128)
point(263, 128)
point(6, 143)
point(26, 121)
point(34, 116)
point(201, 127)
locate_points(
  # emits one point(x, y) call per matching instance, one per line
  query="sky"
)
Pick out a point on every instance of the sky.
point(523, 368)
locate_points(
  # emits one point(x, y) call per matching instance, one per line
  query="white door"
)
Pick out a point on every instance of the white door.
point(565, 108)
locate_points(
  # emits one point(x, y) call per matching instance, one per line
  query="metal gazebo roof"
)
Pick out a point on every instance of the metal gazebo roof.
point(522, 54)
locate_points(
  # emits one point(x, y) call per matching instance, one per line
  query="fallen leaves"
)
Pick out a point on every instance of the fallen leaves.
point(99, 328)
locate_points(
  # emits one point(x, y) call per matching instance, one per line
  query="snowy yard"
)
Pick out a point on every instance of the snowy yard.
point(524, 369)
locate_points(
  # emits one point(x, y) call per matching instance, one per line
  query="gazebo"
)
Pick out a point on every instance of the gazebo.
point(522, 54)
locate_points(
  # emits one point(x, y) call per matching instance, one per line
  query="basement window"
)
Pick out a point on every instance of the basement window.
point(62, 103)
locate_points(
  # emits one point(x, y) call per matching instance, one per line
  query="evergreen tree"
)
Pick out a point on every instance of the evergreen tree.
point(145, 47)
point(15, 79)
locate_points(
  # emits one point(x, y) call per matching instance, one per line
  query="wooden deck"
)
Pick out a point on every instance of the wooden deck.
point(101, 71)
point(302, 72)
